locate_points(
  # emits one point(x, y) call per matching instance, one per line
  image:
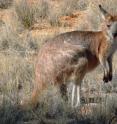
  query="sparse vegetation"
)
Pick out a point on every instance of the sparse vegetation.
point(53, 17)
point(4, 4)
point(69, 6)
point(25, 13)
point(42, 9)
point(10, 41)
point(18, 50)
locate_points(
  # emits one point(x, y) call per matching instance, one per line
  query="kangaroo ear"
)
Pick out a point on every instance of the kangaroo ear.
point(105, 13)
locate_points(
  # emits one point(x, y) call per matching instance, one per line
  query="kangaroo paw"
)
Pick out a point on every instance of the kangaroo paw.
point(110, 77)
point(105, 79)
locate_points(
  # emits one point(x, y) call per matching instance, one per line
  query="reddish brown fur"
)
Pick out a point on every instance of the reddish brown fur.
point(69, 56)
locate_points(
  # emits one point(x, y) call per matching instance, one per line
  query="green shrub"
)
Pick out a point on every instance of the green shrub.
point(25, 13)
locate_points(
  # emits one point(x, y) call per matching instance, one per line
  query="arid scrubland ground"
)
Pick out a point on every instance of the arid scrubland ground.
point(24, 26)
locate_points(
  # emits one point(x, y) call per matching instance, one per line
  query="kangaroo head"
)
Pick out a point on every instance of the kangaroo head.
point(110, 24)
point(113, 29)
point(109, 18)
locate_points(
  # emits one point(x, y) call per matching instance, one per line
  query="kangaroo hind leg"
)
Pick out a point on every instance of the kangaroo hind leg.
point(79, 73)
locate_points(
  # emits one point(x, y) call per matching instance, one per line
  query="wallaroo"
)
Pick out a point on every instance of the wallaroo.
point(69, 56)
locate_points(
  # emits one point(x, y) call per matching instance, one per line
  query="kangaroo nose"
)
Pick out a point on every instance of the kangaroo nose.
point(108, 25)
point(114, 35)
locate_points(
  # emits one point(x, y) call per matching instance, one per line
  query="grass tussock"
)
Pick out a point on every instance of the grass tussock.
point(25, 13)
point(9, 39)
point(4, 4)
point(69, 6)
point(45, 11)
point(53, 17)
point(12, 43)
point(16, 76)
point(42, 9)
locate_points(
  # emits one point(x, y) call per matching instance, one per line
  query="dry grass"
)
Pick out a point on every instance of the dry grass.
point(69, 6)
point(25, 13)
point(42, 9)
point(16, 82)
point(17, 64)
point(4, 4)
